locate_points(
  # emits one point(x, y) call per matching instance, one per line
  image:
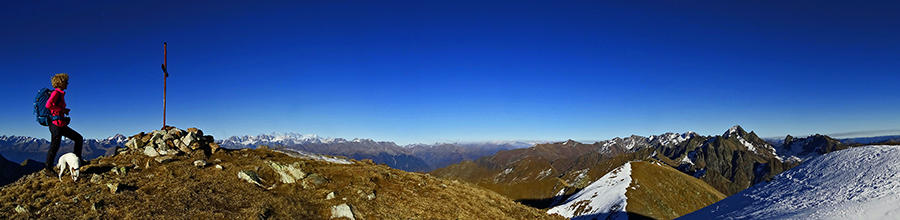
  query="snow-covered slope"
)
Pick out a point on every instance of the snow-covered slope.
point(857, 183)
point(311, 156)
point(603, 199)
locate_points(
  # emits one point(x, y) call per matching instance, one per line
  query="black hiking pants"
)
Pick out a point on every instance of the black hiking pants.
point(56, 134)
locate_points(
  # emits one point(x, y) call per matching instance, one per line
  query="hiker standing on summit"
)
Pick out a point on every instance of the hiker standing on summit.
point(59, 128)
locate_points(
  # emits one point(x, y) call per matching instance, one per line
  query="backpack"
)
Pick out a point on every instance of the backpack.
point(40, 107)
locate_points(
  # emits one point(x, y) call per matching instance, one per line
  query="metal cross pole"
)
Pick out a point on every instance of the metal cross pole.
point(165, 78)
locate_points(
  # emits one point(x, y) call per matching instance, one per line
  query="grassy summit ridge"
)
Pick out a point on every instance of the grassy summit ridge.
point(132, 185)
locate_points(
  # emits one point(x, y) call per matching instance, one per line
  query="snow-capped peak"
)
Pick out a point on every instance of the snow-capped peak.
point(734, 130)
point(117, 138)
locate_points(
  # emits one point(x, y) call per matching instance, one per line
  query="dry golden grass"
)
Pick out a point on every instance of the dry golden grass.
point(661, 192)
point(180, 190)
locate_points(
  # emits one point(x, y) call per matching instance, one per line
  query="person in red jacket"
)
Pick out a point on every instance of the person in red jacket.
point(59, 128)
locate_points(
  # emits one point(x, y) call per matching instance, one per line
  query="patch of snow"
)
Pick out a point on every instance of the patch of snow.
point(690, 157)
point(581, 174)
point(602, 199)
point(630, 145)
point(609, 143)
point(506, 171)
point(747, 144)
point(312, 156)
point(733, 131)
point(857, 183)
point(544, 173)
point(605, 148)
point(686, 159)
point(671, 139)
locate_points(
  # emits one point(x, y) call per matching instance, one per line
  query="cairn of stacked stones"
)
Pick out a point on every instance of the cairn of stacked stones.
point(171, 141)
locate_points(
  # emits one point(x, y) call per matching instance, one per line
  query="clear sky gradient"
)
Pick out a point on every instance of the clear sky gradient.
point(429, 71)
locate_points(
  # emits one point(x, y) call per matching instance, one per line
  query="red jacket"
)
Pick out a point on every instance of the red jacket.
point(56, 103)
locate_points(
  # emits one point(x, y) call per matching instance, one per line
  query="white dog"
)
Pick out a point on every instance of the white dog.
point(73, 164)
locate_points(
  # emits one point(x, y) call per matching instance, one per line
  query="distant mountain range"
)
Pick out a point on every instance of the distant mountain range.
point(413, 157)
point(871, 140)
point(20, 148)
point(548, 175)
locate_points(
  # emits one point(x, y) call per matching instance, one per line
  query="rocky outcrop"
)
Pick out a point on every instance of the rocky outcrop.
point(250, 176)
point(801, 149)
point(734, 161)
point(342, 211)
point(289, 173)
point(172, 141)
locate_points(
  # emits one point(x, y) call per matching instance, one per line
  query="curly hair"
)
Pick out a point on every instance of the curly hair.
point(58, 79)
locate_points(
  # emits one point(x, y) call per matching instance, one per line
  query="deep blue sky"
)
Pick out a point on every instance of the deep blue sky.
point(427, 71)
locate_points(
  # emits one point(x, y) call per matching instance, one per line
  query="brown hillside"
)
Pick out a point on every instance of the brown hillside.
point(543, 152)
point(661, 192)
point(522, 179)
point(132, 185)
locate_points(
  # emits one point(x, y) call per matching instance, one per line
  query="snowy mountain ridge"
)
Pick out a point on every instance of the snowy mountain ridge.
point(857, 183)
point(20, 148)
point(635, 142)
point(289, 138)
point(292, 138)
point(26, 140)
